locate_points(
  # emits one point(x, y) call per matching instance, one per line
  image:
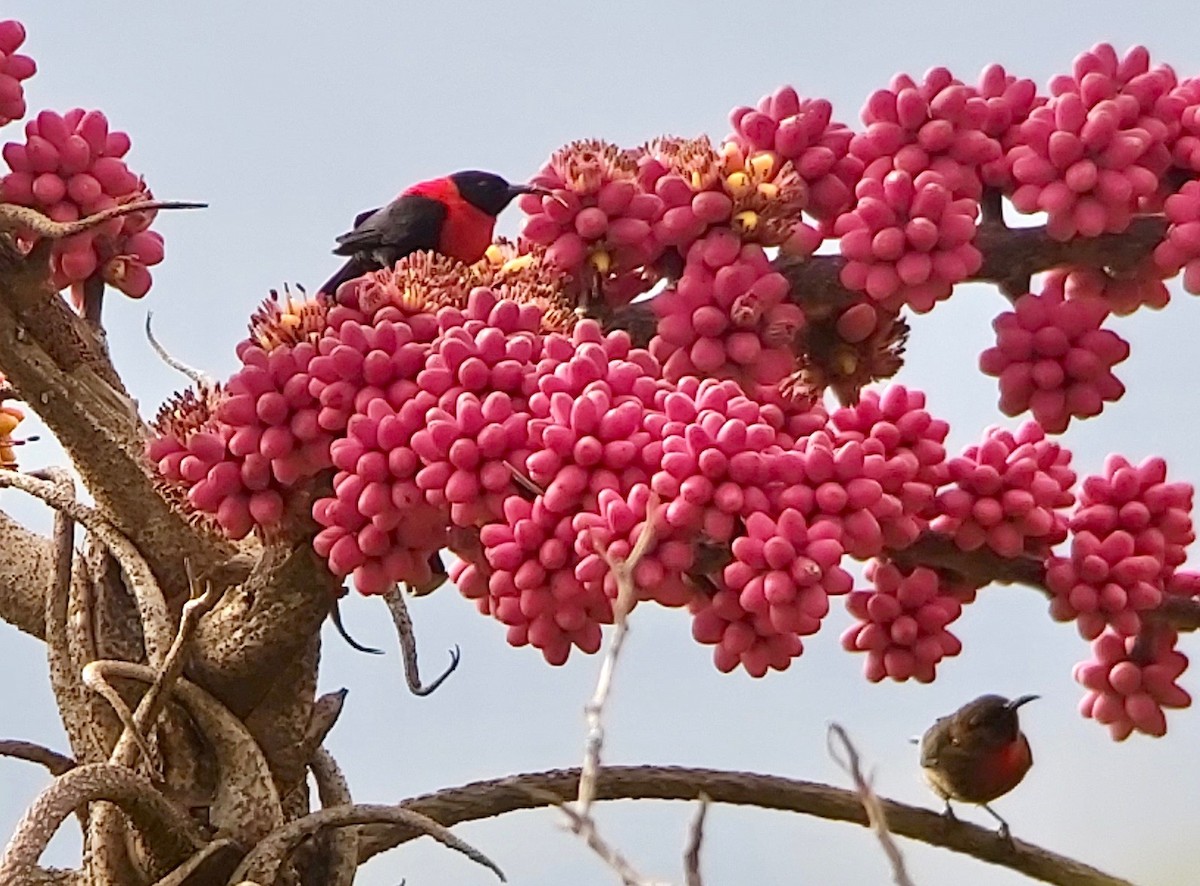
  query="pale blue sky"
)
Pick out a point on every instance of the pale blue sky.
point(291, 117)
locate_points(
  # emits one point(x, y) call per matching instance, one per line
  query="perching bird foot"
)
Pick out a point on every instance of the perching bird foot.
point(1005, 834)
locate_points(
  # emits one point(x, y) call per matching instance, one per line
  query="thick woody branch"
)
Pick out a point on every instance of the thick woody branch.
point(27, 555)
point(60, 367)
point(1010, 257)
point(168, 827)
point(247, 641)
point(487, 799)
point(984, 566)
point(156, 622)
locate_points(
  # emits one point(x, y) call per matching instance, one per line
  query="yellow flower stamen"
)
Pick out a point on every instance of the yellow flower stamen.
point(763, 164)
point(601, 261)
point(738, 185)
point(745, 222)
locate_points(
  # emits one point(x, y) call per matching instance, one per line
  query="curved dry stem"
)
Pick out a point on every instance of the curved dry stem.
point(156, 622)
point(151, 705)
point(325, 713)
point(55, 877)
point(335, 616)
point(170, 828)
point(212, 864)
point(341, 845)
point(408, 645)
point(246, 806)
point(93, 679)
point(15, 218)
point(64, 676)
point(486, 799)
point(202, 379)
point(264, 860)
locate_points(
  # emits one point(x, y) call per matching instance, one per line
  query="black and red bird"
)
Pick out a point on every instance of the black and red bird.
point(454, 215)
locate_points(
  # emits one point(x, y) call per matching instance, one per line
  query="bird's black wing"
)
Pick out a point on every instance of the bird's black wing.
point(408, 223)
point(363, 216)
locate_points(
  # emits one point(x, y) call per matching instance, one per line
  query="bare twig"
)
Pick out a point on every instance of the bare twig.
point(691, 855)
point(156, 624)
point(622, 570)
point(487, 799)
point(408, 645)
point(55, 762)
point(201, 378)
point(147, 808)
point(264, 860)
point(585, 828)
point(846, 756)
point(13, 217)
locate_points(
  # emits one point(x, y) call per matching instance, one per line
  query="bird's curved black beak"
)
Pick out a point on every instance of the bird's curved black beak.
point(518, 190)
point(1024, 699)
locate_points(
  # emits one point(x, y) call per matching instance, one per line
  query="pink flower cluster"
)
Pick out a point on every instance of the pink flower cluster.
point(14, 68)
point(1008, 493)
point(907, 240)
point(801, 131)
point(937, 125)
point(903, 448)
point(69, 167)
point(902, 623)
point(1128, 535)
point(1130, 680)
point(1052, 358)
point(1094, 153)
point(1180, 250)
point(728, 316)
point(597, 214)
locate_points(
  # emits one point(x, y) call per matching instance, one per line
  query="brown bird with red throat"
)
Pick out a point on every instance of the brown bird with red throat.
point(977, 754)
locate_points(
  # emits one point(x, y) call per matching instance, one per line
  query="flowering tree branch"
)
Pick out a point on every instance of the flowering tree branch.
point(487, 799)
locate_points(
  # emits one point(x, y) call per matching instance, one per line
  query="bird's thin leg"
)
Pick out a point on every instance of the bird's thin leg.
point(948, 812)
point(1004, 833)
